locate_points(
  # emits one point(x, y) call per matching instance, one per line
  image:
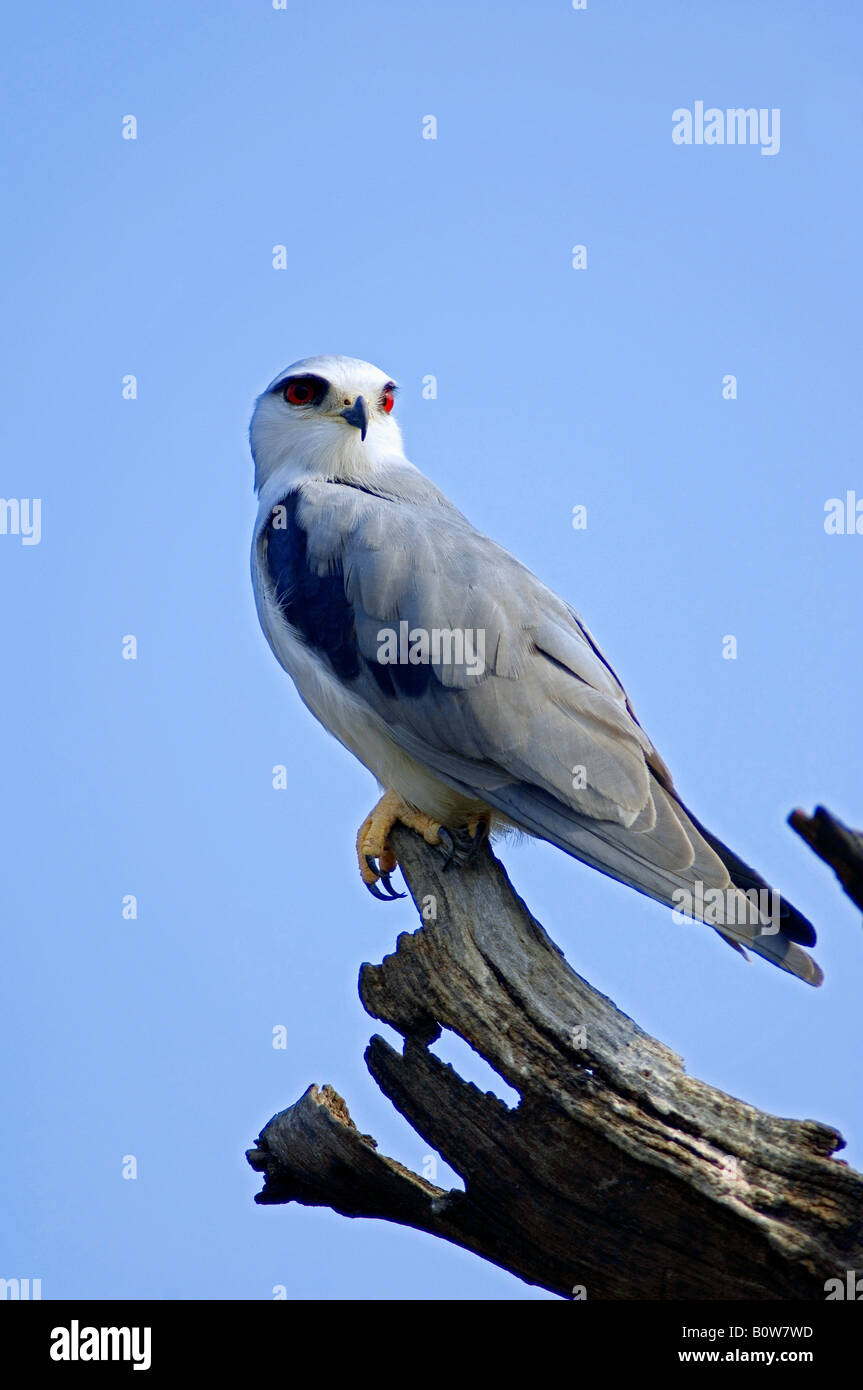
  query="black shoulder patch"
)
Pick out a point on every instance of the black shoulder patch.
point(399, 678)
point(315, 604)
point(317, 607)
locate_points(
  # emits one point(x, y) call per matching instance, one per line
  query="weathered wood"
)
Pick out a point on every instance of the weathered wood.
point(616, 1174)
point(838, 846)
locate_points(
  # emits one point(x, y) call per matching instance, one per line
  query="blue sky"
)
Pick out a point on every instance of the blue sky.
point(556, 387)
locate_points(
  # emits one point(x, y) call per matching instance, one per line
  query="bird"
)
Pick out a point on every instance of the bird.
point(476, 696)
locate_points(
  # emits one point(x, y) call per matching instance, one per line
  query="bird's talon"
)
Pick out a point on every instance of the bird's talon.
point(385, 893)
point(460, 846)
point(376, 859)
point(478, 829)
point(447, 843)
point(376, 893)
point(393, 893)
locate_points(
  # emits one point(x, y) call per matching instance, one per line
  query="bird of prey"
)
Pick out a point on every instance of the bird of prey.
point(476, 696)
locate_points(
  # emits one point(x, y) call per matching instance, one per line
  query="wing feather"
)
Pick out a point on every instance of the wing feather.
point(543, 732)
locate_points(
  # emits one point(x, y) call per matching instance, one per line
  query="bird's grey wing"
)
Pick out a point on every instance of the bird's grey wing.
point(538, 702)
point(543, 732)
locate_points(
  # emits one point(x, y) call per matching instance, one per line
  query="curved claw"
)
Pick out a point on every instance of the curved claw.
point(460, 846)
point(390, 894)
point(376, 893)
point(480, 835)
point(385, 880)
point(446, 840)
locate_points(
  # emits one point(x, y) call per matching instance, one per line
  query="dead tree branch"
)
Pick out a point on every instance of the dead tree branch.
point(838, 846)
point(616, 1174)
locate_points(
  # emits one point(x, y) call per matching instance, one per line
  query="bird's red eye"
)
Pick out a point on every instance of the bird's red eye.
point(388, 399)
point(301, 391)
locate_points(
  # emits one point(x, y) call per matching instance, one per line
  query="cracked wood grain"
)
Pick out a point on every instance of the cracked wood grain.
point(617, 1175)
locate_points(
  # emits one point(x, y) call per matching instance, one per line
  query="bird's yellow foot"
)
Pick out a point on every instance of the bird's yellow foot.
point(376, 859)
point(461, 845)
point(477, 829)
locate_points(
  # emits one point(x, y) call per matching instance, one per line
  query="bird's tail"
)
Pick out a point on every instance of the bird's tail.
point(777, 948)
point(758, 918)
point(675, 860)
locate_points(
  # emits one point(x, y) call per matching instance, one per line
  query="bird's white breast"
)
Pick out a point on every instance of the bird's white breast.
point(347, 717)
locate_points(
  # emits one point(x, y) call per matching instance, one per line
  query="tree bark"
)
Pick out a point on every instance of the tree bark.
point(617, 1176)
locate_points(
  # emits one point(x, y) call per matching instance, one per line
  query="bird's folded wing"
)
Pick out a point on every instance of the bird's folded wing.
point(541, 726)
point(531, 719)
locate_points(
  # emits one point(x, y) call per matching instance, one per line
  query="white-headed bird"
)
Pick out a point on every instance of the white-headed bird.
point(476, 696)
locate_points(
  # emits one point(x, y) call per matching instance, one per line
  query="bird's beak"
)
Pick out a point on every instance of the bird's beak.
point(358, 414)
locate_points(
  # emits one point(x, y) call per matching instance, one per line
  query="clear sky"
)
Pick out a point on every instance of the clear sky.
point(557, 387)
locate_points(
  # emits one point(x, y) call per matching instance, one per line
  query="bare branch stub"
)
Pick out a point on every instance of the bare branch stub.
point(616, 1174)
point(837, 845)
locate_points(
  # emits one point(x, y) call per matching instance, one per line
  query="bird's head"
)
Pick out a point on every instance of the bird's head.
point(326, 417)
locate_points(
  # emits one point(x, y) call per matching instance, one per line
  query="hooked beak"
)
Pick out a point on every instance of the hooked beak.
point(357, 414)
